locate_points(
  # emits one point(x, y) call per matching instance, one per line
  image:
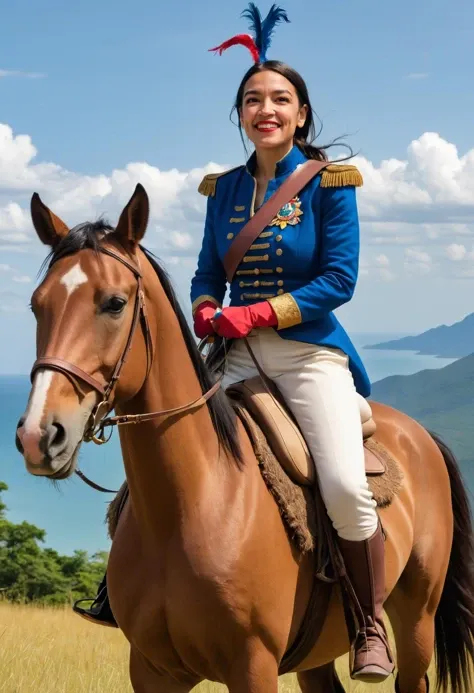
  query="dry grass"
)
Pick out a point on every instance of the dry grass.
point(55, 651)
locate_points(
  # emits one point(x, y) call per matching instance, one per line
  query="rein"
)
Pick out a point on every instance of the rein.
point(95, 430)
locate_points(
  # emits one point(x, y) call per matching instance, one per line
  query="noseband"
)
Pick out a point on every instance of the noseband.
point(95, 429)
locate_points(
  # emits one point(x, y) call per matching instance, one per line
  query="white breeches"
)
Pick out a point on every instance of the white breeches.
point(319, 389)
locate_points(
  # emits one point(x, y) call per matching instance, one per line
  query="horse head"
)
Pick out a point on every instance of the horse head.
point(87, 308)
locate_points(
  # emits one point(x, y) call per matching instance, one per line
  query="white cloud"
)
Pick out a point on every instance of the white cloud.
point(417, 261)
point(417, 75)
point(378, 266)
point(419, 209)
point(21, 73)
point(433, 185)
point(22, 279)
point(456, 252)
point(382, 261)
point(181, 240)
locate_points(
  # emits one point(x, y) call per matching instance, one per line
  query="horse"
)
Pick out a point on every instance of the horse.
point(203, 579)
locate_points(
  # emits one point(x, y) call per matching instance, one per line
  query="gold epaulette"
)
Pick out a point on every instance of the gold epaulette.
point(208, 184)
point(337, 175)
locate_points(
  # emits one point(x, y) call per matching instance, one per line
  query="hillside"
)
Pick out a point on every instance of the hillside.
point(448, 341)
point(442, 400)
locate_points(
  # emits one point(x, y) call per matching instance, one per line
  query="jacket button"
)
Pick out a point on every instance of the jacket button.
point(257, 283)
point(280, 282)
point(279, 251)
point(256, 271)
point(279, 270)
point(230, 235)
point(280, 292)
point(278, 238)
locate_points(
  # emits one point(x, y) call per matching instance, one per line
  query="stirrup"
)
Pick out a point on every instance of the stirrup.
point(96, 613)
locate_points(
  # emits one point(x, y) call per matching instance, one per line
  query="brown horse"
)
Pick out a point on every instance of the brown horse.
point(202, 577)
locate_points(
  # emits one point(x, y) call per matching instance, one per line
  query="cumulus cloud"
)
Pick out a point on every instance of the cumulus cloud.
point(433, 185)
point(378, 266)
point(456, 252)
point(419, 209)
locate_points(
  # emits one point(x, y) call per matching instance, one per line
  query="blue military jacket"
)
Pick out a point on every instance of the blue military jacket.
point(305, 263)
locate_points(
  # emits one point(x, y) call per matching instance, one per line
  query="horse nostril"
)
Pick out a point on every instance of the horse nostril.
point(57, 435)
point(18, 443)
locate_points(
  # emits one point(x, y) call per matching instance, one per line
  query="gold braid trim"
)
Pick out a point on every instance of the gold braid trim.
point(337, 175)
point(201, 299)
point(287, 310)
point(208, 184)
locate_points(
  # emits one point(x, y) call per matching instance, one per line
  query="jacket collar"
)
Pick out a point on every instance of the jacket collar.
point(285, 166)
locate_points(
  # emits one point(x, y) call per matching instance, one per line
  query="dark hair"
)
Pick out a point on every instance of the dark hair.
point(305, 136)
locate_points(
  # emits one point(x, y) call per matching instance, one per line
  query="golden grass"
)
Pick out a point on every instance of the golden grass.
point(55, 651)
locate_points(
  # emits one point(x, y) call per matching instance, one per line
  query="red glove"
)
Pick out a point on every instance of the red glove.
point(238, 322)
point(203, 326)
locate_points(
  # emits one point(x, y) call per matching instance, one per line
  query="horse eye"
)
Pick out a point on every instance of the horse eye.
point(114, 305)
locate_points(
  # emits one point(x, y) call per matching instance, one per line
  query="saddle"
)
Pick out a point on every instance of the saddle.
point(263, 402)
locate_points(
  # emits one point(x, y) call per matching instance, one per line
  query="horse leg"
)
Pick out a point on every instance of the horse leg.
point(257, 672)
point(414, 637)
point(145, 679)
point(427, 683)
point(321, 680)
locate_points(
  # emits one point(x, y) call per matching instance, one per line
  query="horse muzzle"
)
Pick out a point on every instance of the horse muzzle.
point(48, 449)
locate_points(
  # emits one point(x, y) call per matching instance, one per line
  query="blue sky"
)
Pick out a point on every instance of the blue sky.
point(110, 93)
point(135, 82)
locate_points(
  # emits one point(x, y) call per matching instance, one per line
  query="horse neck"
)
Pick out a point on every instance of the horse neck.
point(169, 461)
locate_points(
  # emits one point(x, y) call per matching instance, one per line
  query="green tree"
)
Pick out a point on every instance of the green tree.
point(31, 573)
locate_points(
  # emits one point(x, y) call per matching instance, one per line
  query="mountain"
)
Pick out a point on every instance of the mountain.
point(448, 341)
point(442, 400)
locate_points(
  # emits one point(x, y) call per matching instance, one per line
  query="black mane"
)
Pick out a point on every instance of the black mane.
point(86, 235)
point(89, 235)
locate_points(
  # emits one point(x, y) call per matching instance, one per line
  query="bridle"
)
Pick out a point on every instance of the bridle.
point(95, 430)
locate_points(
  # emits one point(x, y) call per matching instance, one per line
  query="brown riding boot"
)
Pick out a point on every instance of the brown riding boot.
point(365, 567)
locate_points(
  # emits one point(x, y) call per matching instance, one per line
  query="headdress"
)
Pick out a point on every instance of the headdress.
point(259, 43)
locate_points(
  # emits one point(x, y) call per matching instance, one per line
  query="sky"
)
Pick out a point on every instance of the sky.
point(95, 97)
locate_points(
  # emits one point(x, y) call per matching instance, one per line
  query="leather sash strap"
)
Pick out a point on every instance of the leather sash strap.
point(264, 215)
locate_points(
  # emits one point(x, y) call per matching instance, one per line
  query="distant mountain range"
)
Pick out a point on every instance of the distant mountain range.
point(442, 400)
point(448, 341)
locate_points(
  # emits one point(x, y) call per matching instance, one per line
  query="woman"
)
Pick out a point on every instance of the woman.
point(303, 266)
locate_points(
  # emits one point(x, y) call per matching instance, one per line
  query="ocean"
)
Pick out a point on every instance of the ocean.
point(71, 513)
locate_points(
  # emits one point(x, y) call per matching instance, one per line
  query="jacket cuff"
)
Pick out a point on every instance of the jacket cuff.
point(286, 309)
point(201, 299)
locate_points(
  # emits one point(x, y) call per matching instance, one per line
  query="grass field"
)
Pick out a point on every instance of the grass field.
point(55, 651)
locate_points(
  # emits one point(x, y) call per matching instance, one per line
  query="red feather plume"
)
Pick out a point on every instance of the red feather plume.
point(241, 40)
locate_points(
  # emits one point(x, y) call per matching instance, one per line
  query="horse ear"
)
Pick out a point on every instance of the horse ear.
point(50, 228)
point(134, 218)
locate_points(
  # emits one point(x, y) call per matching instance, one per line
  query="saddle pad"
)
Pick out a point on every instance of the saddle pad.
point(284, 437)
